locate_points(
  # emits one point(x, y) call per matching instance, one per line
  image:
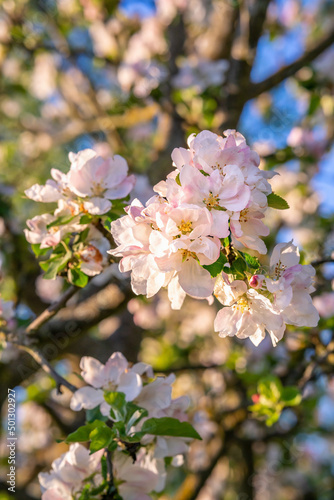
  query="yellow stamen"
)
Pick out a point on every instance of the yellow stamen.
point(211, 201)
point(185, 227)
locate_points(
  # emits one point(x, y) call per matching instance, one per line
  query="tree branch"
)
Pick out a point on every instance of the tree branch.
point(47, 367)
point(256, 89)
point(52, 310)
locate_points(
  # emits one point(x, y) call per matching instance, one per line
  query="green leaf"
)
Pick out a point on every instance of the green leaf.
point(100, 438)
point(118, 404)
point(95, 414)
point(177, 179)
point(83, 432)
point(276, 201)
point(167, 426)
point(226, 241)
point(77, 277)
point(38, 251)
point(238, 266)
point(85, 219)
point(54, 266)
point(204, 173)
point(217, 267)
point(252, 262)
point(291, 396)
point(60, 221)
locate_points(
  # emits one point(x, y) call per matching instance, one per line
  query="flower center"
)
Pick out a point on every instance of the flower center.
point(98, 188)
point(186, 255)
point(53, 229)
point(279, 269)
point(211, 201)
point(185, 227)
point(241, 305)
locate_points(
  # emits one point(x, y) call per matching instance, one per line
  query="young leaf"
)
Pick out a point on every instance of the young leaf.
point(77, 277)
point(167, 426)
point(217, 267)
point(118, 404)
point(100, 438)
point(252, 262)
point(276, 201)
point(83, 432)
point(38, 251)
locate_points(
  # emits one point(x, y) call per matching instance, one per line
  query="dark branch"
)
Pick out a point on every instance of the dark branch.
point(52, 310)
point(47, 367)
point(256, 89)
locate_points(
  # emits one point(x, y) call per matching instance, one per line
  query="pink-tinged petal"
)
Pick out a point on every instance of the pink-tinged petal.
point(195, 280)
point(181, 157)
point(91, 268)
point(114, 367)
point(97, 206)
point(220, 227)
point(78, 160)
point(116, 170)
point(206, 249)
point(143, 369)
point(228, 294)
point(176, 294)
point(258, 336)
point(226, 322)
point(46, 194)
point(285, 253)
point(86, 397)
point(276, 335)
point(122, 189)
point(92, 371)
point(130, 384)
point(52, 495)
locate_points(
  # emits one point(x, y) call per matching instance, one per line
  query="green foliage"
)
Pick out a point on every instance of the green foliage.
point(272, 398)
point(118, 405)
point(276, 201)
point(167, 426)
point(82, 433)
point(77, 277)
point(217, 267)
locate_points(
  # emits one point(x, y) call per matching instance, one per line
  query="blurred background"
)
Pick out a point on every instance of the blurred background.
point(136, 78)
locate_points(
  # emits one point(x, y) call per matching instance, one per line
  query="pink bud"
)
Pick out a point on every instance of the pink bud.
point(256, 281)
point(256, 398)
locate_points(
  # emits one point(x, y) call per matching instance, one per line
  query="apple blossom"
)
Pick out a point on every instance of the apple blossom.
point(69, 472)
point(115, 375)
point(100, 180)
point(271, 302)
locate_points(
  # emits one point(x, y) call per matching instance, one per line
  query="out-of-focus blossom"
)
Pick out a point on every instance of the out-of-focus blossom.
point(43, 79)
point(114, 375)
point(200, 74)
point(324, 304)
point(69, 472)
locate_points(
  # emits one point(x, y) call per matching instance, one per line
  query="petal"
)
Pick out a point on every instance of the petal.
point(97, 206)
point(92, 371)
point(130, 384)
point(86, 397)
point(195, 280)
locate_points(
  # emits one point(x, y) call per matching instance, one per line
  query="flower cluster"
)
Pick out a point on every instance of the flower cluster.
point(92, 187)
point(216, 190)
point(190, 235)
point(268, 303)
point(69, 472)
point(136, 419)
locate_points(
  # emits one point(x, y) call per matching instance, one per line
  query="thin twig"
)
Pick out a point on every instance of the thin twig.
point(256, 89)
point(52, 310)
point(47, 367)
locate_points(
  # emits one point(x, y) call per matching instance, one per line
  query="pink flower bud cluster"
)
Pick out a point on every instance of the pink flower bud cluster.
point(216, 190)
point(268, 303)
